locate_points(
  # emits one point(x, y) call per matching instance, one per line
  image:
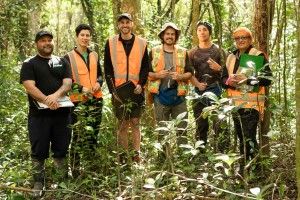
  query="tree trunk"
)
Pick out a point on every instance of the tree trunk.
point(57, 41)
point(133, 7)
point(169, 11)
point(22, 41)
point(297, 94)
point(116, 6)
point(262, 26)
point(218, 31)
point(172, 6)
point(89, 13)
point(195, 19)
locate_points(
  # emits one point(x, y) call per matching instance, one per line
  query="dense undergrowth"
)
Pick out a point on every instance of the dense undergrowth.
point(186, 172)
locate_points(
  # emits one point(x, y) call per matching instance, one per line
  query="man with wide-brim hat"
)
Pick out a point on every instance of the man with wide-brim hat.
point(168, 76)
point(171, 25)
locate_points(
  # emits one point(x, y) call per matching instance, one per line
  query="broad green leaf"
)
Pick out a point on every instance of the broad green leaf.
point(187, 146)
point(255, 191)
point(162, 129)
point(63, 185)
point(158, 146)
point(181, 116)
point(199, 143)
point(281, 190)
point(194, 152)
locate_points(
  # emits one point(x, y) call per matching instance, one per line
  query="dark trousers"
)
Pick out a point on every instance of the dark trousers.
point(46, 130)
point(168, 113)
point(85, 114)
point(202, 127)
point(245, 125)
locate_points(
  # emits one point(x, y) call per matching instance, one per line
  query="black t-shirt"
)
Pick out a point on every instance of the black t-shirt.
point(48, 75)
point(198, 59)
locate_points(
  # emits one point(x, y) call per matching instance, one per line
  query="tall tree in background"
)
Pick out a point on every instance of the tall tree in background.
point(58, 6)
point(22, 41)
point(218, 8)
point(89, 12)
point(195, 18)
point(4, 14)
point(262, 26)
point(116, 5)
point(297, 94)
point(133, 7)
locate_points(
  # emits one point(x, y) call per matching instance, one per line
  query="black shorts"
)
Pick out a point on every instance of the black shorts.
point(49, 131)
point(127, 111)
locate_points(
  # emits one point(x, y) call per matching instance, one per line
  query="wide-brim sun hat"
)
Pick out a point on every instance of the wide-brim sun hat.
point(172, 25)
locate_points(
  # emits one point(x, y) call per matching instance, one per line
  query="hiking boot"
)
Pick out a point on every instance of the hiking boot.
point(38, 176)
point(61, 166)
point(38, 189)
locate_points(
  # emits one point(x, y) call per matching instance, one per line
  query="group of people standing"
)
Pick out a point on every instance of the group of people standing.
point(166, 72)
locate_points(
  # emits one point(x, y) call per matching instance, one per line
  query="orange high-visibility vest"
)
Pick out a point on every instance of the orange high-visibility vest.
point(254, 100)
point(82, 76)
point(119, 60)
point(158, 64)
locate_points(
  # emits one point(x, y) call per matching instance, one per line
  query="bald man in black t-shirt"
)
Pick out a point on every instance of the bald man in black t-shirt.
point(47, 78)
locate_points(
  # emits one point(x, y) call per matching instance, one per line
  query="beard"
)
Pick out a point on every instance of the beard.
point(125, 30)
point(45, 50)
point(169, 41)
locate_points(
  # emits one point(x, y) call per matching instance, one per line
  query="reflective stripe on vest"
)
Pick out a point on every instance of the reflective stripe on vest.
point(254, 100)
point(83, 76)
point(119, 59)
point(158, 64)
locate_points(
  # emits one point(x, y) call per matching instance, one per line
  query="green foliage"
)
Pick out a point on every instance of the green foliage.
point(189, 171)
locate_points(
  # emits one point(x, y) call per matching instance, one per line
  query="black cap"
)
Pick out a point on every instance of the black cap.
point(42, 33)
point(206, 24)
point(124, 15)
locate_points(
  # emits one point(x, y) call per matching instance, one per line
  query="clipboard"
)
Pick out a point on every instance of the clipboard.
point(63, 102)
point(250, 65)
point(126, 93)
point(252, 61)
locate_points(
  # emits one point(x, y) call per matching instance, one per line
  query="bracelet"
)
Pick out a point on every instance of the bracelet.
point(227, 81)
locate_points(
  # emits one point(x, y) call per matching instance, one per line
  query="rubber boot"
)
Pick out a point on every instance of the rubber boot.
point(61, 166)
point(38, 169)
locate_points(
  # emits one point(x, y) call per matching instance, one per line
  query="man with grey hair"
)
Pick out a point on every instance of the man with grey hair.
point(168, 76)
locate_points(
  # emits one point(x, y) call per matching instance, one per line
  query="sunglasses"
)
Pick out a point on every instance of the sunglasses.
point(203, 23)
point(243, 38)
